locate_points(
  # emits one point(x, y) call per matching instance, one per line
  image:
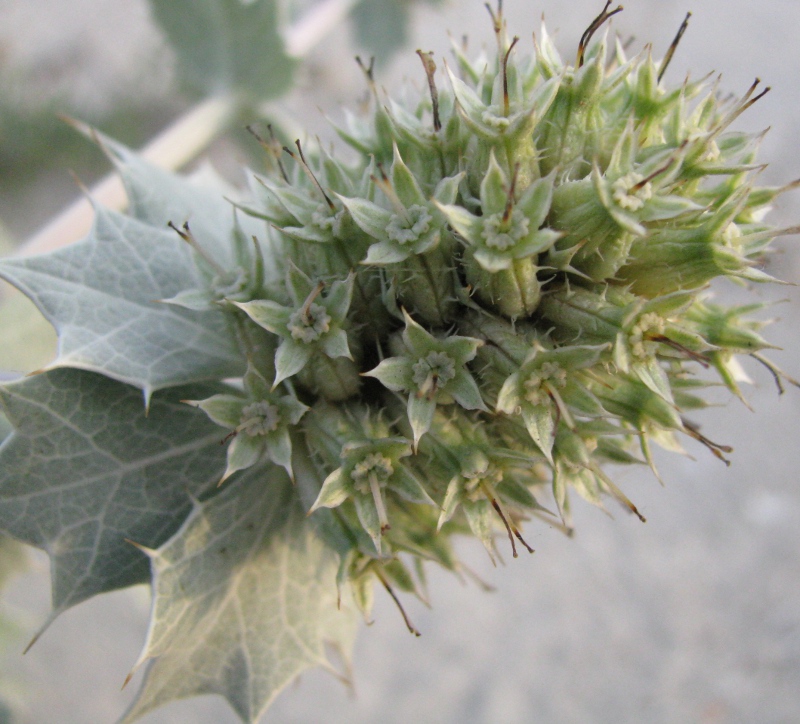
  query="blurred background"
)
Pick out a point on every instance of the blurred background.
point(692, 617)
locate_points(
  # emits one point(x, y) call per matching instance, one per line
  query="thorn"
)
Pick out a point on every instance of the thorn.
point(149, 552)
point(83, 188)
point(32, 642)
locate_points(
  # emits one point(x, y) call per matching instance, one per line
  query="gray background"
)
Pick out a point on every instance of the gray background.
point(692, 617)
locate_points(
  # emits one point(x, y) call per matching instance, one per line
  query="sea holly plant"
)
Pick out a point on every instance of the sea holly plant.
point(267, 405)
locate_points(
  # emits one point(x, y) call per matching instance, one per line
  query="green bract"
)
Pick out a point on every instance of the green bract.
point(503, 289)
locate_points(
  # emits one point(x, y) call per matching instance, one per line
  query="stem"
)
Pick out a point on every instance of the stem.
point(172, 148)
point(182, 141)
point(303, 36)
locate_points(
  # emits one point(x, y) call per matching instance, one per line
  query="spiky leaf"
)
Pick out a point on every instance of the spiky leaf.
point(86, 471)
point(102, 294)
point(245, 599)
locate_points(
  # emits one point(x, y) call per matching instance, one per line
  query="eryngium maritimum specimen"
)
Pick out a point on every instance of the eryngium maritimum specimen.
point(527, 250)
point(502, 290)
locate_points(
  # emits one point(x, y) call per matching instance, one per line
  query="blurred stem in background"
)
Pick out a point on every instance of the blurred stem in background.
point(190, 135)
point(234, 59)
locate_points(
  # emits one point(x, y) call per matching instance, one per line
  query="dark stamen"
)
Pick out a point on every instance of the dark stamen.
point(385, 185)
point(306, 308)
point(497, 19)
point(618, 494)
point(409, 625)
point(749, 103)
point(510, 527)
point(778, 374)
point(701, 359)
point(369, 71)
point(307, 169)
point(273, 147)
point(506, 102)
point(511, 190)
point(382, 171)
point(186, 234)
point(628, 42)
point(673, 46)
point(430, 69)
point(496, 506)
point(557, 421)
point(641, 184)
point(715, 448)
point(592, 29)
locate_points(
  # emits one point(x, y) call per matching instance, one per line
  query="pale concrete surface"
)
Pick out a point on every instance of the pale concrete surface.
point(692, 617)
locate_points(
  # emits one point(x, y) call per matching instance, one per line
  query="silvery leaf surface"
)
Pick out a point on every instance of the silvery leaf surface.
point(102, 296)
point(156, 197)
point(87, 472)
point(245, 599)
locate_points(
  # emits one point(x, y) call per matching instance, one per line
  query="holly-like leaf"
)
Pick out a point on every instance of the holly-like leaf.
point(13, 560)
point(87, 471)
point(245, 599)
point(228, 45)
point(156, 197)
point(28, 340)
point(102, 294)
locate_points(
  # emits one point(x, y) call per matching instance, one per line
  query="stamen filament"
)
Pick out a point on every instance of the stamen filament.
point(378, 498)
point(411, 628)
point(186, 234)
point(430, 69)
point(673, 46)
point(315, 292)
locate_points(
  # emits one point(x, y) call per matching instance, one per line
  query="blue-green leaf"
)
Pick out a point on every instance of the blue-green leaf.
point(245, 599)
point(228, 45)
point(87, 471)
point(102, 294)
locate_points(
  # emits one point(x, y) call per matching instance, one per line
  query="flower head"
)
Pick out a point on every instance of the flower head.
point(260, 422)
point(431, 371)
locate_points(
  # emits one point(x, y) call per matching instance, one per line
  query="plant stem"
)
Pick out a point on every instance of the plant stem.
point(182, 141)
point(172, 148)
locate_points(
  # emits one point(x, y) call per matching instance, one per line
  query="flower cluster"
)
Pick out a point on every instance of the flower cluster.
point(503, 289)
